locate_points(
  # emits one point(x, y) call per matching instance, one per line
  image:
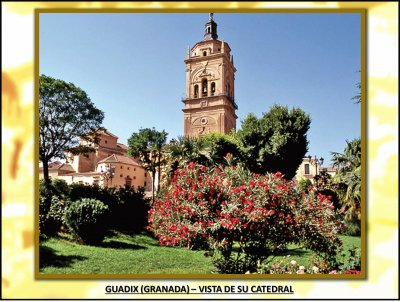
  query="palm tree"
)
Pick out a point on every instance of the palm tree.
point(348, 177)
point(184, 150)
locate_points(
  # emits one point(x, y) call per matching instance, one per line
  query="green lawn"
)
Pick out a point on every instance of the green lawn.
point(123, 253)
point(120, 254)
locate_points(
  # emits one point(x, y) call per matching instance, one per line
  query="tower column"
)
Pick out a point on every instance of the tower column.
point(213, 110)
point(223, 78)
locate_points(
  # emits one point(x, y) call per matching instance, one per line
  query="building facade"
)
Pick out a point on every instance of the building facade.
point(308, 169)
point(108, 166)
point(210, 95)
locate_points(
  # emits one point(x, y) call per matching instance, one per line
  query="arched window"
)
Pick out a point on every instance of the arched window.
point(204, 53)
point(196, 91)
point(213, 88)
point(204, 87)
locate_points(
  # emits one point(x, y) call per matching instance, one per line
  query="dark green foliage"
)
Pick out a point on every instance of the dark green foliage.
point(324, 184)
point(61, 187)
point(352, 228)
point(87, 220)
point(52, 205)
point(275, 142)
point(219, 146)
point(353, 260)
point(56, 214)
point(66, 113)
point(127, 208)
point(130, 211)
point(78, 191)
point(46, 193)
point(348, 178)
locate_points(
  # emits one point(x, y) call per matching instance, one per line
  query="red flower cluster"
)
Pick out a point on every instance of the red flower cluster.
point(216, 207)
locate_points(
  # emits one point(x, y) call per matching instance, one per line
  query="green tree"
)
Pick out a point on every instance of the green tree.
point(275, 142)
point(147, 145)
point(66, 113)
point(348, 177)
point(219, 145)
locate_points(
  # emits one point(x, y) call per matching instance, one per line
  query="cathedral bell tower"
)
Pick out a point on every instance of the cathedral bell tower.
point(210, 74)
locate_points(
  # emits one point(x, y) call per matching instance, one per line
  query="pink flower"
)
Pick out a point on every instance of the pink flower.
point(352, 272)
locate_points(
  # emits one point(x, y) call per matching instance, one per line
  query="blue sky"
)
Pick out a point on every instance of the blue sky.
point(131, 65)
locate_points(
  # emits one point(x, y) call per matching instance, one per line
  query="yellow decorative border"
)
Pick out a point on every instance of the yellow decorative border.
point(17, 156)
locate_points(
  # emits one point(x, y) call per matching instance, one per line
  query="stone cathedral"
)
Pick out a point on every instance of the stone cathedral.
point(210, 75)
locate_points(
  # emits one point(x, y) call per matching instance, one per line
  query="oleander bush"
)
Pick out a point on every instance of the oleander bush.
point(243, 217)
point(87, 220)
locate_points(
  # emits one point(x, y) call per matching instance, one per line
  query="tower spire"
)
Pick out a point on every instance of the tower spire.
point(210, 32)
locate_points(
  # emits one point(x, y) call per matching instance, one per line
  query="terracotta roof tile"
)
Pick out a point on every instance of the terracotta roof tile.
point(105, 131)
point(114, 158)
point(122, 146)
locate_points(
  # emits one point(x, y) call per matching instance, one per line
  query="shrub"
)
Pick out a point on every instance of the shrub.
point(56, 213)
point(51, 215)
point(86, 218)
point(61, 187)
point(244, 217)
point(352, 228)
point(129, 212)
point(79, 191)
point(46, 193)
